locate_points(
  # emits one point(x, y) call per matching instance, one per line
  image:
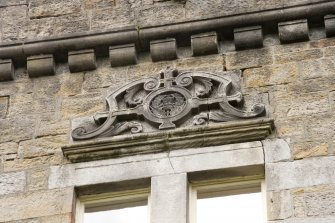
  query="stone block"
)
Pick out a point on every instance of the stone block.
point(320, 202)
point(123, 55)
point(6, 70)
point(311, 54)
point(12, 183)
point(42, 65)
point(6, 3)
point(249, 58)
point(293, 31)
point(218, 160)
point(4, 103)
point(37, 204)
point(14, 23)
point(248, 37)
point(93, 4)
point(17, 128)
point(276, 150)
point(8, 148)
point(163, 50)
point(82, 60)
point(63, 218)
point(279, 205)
point(42, 146)
point(211, 63)
point(301, 173)
point(70, 85)
point(204, 44)
point(270, 75)
point(330, 25)
point(169, 193)
point(44, 8)
point(310, 149)
point(37, 179)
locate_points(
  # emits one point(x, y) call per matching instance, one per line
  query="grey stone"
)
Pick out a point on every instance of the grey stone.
point(330, 25)
point(6, 70)
point(302, 173)
point(307, 220)
point(12, 183)
point(169, 193)
point(42, 65)
point(293, 31)
point(276, 150)
point(280, 205)
point(4, 103)
point(123, 55)
point(204, 44)
point(248, 37)
point(163, 50)
point(82, 60)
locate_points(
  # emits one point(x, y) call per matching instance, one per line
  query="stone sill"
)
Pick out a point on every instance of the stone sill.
point(146, 143)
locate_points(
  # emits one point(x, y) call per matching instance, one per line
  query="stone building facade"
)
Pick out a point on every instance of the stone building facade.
point(268, 65)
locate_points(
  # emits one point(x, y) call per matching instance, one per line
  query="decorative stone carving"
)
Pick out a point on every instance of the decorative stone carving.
point(6, 70)
point(175, 99)
point(330, 25)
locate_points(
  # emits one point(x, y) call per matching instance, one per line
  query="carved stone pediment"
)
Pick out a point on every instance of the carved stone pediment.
point(172, 100)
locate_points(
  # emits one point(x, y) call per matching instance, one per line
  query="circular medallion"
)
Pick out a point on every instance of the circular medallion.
point(167, 104)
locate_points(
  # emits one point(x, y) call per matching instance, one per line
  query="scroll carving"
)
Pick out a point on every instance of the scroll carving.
point(176, 99)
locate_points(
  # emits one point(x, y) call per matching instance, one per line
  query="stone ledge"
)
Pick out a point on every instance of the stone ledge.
point(212, 135)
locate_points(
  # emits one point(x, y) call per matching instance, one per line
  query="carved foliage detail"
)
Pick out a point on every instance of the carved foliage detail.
point(169, 102)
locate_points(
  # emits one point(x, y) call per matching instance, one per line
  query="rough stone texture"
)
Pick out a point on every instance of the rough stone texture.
point(248, 59)
point(279, 205)
point(50, 202)
point(309, 149)
point(4, 101)
point(44, 8)
point(276, 151)
point(303, 173)
point(12, 183)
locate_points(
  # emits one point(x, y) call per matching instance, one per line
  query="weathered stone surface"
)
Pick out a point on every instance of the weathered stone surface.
point(123, 55)
point(310, 149)
point(301, 173)
point(56, 26)
point(8, 148)
point(169, 193)
point(293, 31)
point(42, 65)
point(248, 37)
point(163, 50)
point(6, 70)
point(248, 58)
point(329, 25)
point(270, 75)
point(307, 220)
point(167, 13)
point(81, 105)
point(109, 18)
point(64, 218)
point(279, 205)
point(82, 60)
point(50, 202)
point(16, 128)
point(204, 44)
point(6, 3)
point(37, 179)
point(4, 102)
point(12, 183)
point(211, 63)
point(42, 146)
point(308, 104)
point(14, 23)
point(93, 4)
point(311, 54)
point(70, 85)
point(44, 8)
point(276, 150)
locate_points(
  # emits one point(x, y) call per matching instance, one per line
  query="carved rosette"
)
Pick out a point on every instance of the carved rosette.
point(168, 102)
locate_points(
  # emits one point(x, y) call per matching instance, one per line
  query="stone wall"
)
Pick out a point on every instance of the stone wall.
point(31, 19)
point(296, 82)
